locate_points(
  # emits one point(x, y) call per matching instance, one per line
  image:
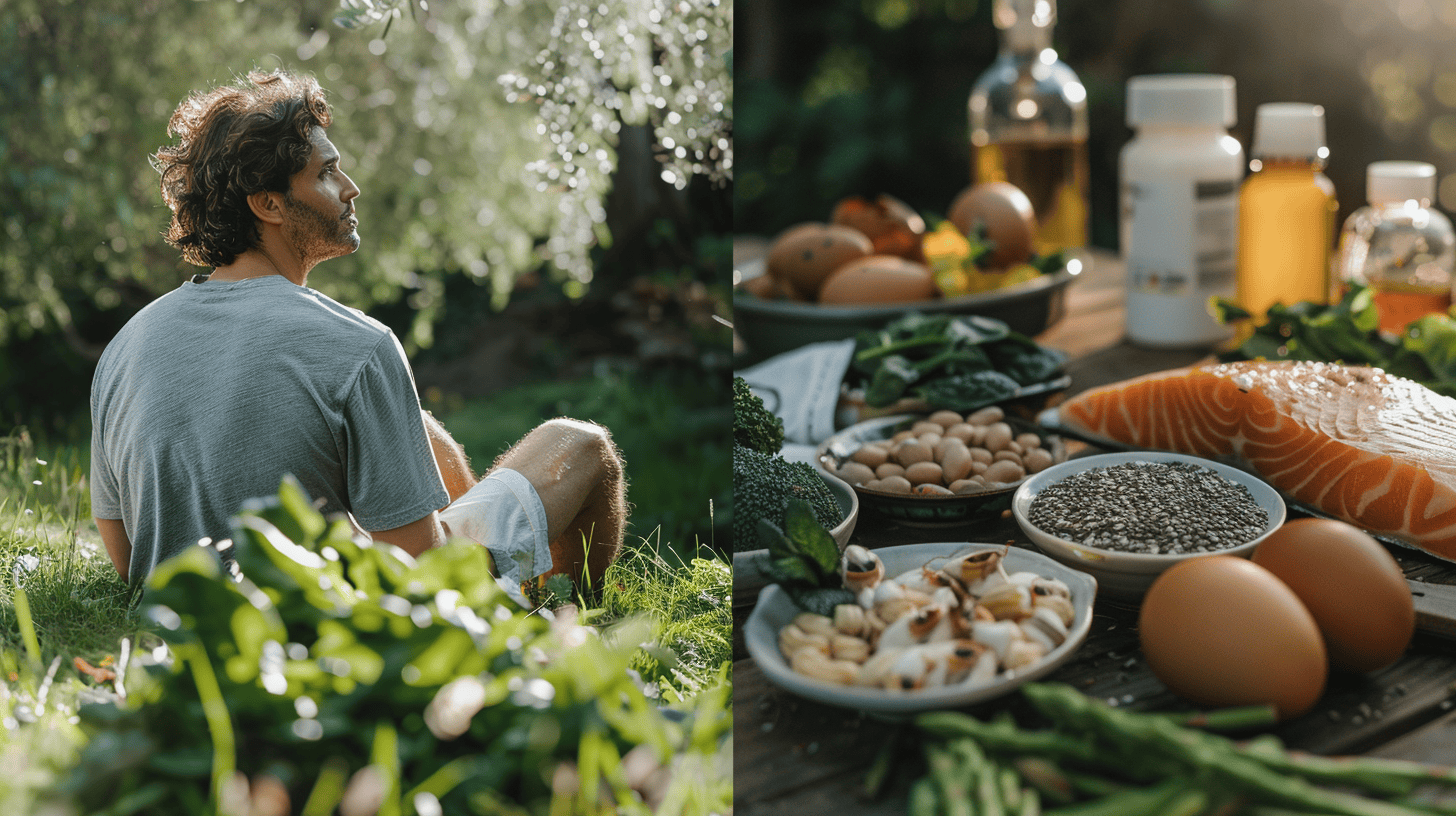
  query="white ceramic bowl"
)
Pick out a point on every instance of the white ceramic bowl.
point(775, 610)
point(848, 502)
point(1130, 574)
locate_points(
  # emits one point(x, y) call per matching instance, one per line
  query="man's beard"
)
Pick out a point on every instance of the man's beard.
point(316, 235)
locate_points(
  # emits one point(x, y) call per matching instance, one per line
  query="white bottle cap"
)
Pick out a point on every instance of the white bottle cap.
point(1289, 130)
point(1181, 99)
point(1398, 181)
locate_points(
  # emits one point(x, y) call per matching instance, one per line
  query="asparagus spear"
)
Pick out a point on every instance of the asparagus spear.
point(1136, 735)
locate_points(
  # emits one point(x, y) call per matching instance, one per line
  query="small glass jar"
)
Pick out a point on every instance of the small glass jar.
point(1399, 245)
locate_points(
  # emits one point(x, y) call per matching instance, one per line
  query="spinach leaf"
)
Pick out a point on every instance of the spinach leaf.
point(918, 351)
point(890, 380)
point(1432, 339)
point(1020, 358)
point(803, 559)
point(968, 392)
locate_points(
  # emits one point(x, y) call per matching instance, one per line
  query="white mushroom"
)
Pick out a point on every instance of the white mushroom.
point(1045, 627)
point(792, 638)
point(849, 647)
point(861, 568)
point(1007, 601)
point(1022, 653)
point(908, 671)
point(999, 635)
point(813, 663)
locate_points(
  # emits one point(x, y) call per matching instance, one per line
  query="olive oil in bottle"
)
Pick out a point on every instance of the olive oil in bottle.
point(1028, 124)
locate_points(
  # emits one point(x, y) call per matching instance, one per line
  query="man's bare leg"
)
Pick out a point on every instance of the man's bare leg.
point(577, 472)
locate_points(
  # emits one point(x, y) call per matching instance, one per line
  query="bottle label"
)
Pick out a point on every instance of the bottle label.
point(1181, 237)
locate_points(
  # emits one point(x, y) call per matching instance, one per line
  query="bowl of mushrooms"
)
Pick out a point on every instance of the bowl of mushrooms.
point(937, 625)
point(940, 467)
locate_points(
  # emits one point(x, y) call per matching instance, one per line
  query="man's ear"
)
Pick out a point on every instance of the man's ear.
point(267, 206)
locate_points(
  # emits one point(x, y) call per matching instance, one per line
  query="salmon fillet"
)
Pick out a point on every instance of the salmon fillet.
point(1375, 450)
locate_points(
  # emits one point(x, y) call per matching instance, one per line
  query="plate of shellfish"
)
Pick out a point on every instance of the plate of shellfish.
point(932, 626)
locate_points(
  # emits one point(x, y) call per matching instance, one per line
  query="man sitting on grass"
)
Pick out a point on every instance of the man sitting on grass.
point(215, 391)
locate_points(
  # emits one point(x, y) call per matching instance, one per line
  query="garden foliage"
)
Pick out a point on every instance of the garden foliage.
point(336, 672)
point(485, 137)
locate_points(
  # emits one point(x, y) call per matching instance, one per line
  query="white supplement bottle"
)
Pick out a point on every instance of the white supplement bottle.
point(1179, 179)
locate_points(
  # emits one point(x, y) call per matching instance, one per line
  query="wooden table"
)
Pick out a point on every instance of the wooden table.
point(794, 756)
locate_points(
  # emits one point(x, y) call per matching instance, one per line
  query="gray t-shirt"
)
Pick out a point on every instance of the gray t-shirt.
point(215, 391)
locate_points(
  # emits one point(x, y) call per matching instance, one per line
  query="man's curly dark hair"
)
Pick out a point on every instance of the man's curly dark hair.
point(235, 140)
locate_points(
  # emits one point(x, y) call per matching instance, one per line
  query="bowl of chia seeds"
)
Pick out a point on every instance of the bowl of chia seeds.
point(1126, 517)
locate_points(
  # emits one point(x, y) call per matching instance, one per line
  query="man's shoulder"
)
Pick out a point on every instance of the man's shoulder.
point(319, 306)
point(259, 310)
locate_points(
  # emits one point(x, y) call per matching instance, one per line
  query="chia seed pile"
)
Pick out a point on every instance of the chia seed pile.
point(1153, 508)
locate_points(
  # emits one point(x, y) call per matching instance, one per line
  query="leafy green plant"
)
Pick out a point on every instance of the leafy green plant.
point(332, 669)
point(689, 602)
point(1348, 331)
point(77, 604)
point(955, 362)
point(804, 560)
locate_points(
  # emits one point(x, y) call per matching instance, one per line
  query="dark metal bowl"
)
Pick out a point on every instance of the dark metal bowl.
point(769, 327)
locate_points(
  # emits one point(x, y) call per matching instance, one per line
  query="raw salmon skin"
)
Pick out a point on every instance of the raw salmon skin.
point(1356, 443)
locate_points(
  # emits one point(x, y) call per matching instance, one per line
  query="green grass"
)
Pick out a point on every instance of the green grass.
point(74, 604)
point(49, 548)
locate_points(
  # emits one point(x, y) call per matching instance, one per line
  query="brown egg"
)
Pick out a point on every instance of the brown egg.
point(1223, 631)
point(879, 279)
point(1351, 585)
point(1007, 215)
point(805, 255)
point(769, 287)
point(893, 226)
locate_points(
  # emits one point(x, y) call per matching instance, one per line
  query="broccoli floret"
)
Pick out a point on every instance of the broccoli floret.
point(754, 426)
point(762, 486)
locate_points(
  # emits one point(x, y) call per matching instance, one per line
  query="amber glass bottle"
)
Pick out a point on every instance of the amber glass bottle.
point(1287, 211)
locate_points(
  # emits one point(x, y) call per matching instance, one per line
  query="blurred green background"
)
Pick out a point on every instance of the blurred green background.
point(545, 208)
point(841, 97)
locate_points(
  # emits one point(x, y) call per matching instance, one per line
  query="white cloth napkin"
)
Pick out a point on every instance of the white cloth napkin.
point(801, 387)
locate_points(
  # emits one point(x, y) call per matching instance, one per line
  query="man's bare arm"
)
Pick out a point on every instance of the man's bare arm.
point(118, 545)
point(415, 537)
point(449, 458)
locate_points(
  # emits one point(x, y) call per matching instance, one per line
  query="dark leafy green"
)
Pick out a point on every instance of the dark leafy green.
point(972, 390)
point(803, 559)
point(959, 362)
point(1348, 332)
